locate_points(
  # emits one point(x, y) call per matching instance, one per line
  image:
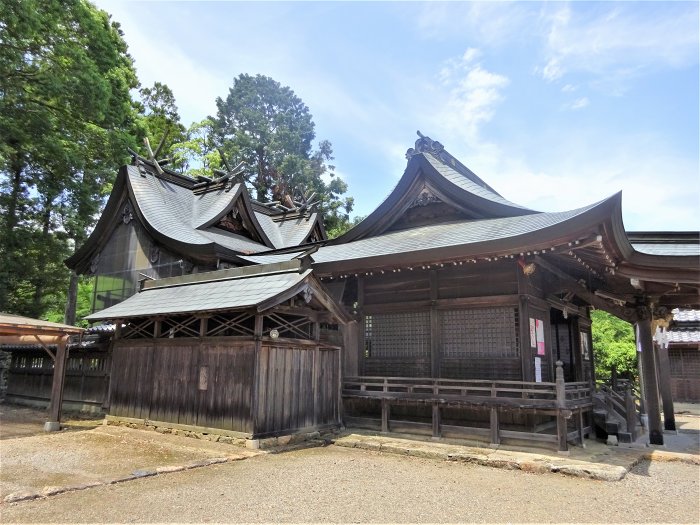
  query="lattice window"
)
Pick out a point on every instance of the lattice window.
point(676, 360)
point(231, 324)
point(180, 326)
point(397, 335)
point(691, 364)
point(289, 325)
point(480, 332)
point(138, 329)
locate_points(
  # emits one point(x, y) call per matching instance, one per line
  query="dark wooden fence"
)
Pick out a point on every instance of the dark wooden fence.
point(87, 379)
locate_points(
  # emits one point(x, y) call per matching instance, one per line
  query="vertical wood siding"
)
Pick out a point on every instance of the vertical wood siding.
point(160, 380)
point(298, 387)
point(87, 376)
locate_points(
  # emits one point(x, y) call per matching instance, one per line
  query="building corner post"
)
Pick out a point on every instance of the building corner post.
point(650, 384)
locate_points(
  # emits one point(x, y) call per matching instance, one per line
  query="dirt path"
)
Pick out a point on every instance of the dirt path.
point(346, 485)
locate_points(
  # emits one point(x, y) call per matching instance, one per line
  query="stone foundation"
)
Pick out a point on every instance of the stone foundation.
point(219, 435)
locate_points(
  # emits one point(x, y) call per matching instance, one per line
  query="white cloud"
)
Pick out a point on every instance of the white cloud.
point(472, 95)
point(637, 165)
point(618, 39)
point(569, 88)
point(552, 70)
point(489, 23)
point(580, 103)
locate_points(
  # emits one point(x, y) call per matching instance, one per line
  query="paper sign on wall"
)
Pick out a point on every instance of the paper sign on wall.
point(585, 346)
point(539, 329)
point(533, 336)
point(538, 369)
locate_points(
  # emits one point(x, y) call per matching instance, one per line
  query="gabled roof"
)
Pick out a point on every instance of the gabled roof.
point(433, 175)
point(259, 287)
point(182, 214)
point(289, 229)
point(506, 235)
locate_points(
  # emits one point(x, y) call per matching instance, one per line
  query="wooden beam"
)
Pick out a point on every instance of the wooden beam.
point(460, 302)
point(584, 293)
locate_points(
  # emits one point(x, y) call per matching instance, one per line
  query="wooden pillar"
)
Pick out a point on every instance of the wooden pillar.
point(59, 377)
point(436, 420)
point(257, 336)
point(581, 427)
point(665, 385)
point(562, 431)
point(434, 327)
point(495, 428)
point(651, 393)
point(386, 413)
point(631, 413)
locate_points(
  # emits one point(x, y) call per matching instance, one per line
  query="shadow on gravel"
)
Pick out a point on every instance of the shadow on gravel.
point(19, 421)
point(88, 454)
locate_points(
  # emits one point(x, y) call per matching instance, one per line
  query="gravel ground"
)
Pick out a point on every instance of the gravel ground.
point(334, 484)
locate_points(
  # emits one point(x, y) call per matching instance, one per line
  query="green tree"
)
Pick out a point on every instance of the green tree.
point(66, 116)
point(613, 346)
point(266, 125)
point(198, 154)
point(161, 120)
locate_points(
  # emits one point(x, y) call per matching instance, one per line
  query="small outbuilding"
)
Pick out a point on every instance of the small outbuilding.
point(15, 329)
point(251, 351)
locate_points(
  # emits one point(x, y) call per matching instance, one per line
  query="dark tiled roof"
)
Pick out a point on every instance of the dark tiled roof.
point(684, 336)
point(223, 290)
point(170, 209)
point(467, 184)
point(288, 232)
point(433, 236)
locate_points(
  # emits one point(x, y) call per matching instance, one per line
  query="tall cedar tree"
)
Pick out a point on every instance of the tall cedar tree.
point(271, 129)
point(66, 116)
point(162, 121)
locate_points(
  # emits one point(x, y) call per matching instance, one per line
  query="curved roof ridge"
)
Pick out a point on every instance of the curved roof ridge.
point(460, 188)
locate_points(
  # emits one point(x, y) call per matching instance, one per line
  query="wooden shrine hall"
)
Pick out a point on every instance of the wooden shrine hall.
point(452, 311)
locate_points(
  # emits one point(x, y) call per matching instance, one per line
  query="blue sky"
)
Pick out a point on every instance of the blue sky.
point(555, 105)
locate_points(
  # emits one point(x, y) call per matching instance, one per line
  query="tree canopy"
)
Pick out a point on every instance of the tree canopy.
point(69, 112)
point(266, 125)
point(66, 116)
point(613, 346)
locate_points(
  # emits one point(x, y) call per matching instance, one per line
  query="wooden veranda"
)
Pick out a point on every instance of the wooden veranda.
point(562, 400)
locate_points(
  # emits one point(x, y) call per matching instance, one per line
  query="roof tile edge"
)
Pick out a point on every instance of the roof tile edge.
point(291, 266)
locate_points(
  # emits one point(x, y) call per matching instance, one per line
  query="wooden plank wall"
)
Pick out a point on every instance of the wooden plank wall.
point(87, 376)
point(184, 381)
point(297, 388)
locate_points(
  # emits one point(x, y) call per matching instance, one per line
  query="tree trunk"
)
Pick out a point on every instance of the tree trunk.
point(42, 259)
point(9, 254)
point(72, 299)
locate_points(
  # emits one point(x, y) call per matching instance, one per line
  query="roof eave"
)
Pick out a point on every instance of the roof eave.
point(586, 223)
point(81, 259)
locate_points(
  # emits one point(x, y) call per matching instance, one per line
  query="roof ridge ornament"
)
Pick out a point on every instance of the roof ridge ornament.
point(425, 145)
